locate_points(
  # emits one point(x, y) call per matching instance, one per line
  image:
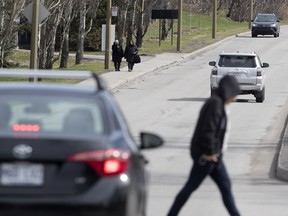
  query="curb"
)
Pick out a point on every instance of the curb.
point(282, 163)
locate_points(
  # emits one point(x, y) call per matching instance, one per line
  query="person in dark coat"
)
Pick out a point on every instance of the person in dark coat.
point(207, 145)
point(117, 55)
point(130, 51)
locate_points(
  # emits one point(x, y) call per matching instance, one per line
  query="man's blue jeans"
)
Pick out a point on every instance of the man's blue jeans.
point(198, 173)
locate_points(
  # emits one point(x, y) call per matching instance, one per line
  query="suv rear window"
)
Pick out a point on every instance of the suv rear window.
point(237, 61)
point(50, 115)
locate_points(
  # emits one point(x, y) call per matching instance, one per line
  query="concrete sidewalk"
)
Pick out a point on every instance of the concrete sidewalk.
point(117, 78)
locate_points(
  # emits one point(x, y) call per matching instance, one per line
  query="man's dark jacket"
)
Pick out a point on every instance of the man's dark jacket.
point(211, 126)
point(130, 51)
point(117, 52)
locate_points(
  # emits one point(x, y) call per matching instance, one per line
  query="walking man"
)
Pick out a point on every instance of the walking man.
point(207, 145)
point(117, 55)
point(131, 51)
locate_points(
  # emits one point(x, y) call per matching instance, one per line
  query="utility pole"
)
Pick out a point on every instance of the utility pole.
point(250, 14)
point(108, 34)
point(179, 38)
point(34, 38)
point(214, 22)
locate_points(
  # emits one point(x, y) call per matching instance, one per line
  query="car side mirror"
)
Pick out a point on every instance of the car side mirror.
point(149, 140)
point(265, 65)
point(212, 63)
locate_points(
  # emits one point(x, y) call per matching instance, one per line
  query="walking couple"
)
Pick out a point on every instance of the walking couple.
point(131, 52)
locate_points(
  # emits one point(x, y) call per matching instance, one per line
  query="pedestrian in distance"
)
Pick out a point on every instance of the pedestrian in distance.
point(131, 51)
point(207, 146)
point(117, 54)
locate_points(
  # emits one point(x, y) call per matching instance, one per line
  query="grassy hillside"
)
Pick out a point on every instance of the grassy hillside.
point(196, 33)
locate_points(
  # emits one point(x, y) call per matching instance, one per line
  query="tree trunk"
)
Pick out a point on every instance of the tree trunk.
point(121, 24)
point(140, 27)
point(9, 13)
point(42, 48)
point(130, 21)
point(51, 29)
point(2, 14)
point(65, 51)
point(81, 34)
point(230, 8)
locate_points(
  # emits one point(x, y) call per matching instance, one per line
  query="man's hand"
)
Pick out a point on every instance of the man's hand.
point(211, 158)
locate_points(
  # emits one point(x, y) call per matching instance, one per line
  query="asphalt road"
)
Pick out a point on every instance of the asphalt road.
point(168, 101)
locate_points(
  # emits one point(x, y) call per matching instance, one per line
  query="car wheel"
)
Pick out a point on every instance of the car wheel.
point(260, 96)
point(275, 35)
point(254, 35)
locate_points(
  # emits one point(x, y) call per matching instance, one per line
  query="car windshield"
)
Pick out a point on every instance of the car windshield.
point(265, 18)
point(46, 115)
point(237, 61)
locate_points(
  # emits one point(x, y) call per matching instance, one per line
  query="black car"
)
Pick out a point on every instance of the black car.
point(265, 24)
point(66, 150)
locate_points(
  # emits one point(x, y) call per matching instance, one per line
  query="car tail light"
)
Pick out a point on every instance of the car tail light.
point(26, 128)
point(214, 71)
point(104, 162)
point(259, 73)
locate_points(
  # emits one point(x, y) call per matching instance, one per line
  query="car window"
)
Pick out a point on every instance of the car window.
point(265, 18)
point(237, 61)
point(51, 115)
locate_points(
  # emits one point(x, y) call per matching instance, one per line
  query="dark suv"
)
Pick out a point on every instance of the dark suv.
point(265, 24)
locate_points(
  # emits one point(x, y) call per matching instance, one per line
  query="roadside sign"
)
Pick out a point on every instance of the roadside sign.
point(112, 36)
point(114, 10)
point(164, 14)
point(43, 12)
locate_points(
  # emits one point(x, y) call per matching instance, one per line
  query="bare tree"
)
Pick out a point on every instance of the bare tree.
point(67, 18)
point(142, 21)
point(9, 13)
point(48, 33)
point(122, 17)
point(85, 7)
point(130, 22)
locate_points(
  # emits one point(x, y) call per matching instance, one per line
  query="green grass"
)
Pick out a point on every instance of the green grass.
point(196, 33)
point(94, 66)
